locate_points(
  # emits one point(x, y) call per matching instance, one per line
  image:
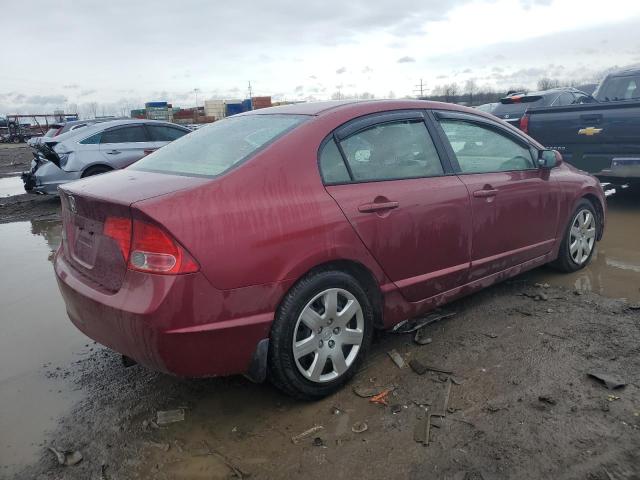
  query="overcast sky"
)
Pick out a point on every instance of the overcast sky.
point(123, 53)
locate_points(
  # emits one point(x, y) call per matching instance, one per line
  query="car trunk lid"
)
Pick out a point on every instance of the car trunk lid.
point(86, 206)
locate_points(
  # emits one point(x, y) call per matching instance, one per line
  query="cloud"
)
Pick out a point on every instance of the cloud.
point(299, 89)
point(367, 69)
point(45, 99)
point(406, 60)
point(71, 86)
point(341, 70)
point(86, 93)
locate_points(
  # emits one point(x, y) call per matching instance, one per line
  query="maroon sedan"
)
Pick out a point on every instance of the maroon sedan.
point(274, 242)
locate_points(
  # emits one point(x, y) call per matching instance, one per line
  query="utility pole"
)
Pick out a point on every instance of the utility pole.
point(420, 89)
point(195, 115)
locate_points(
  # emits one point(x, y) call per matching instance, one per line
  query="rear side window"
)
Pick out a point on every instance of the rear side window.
point(164, 133)
point(211, 150)
point(391, 151)
point(92, 140)
point(124, 135)
point(620, 88)
point(481, 149)
point(564, 99)
point(332, 165)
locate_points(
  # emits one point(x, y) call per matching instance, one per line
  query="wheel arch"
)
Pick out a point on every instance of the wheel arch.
point(361, 273)
point(95, 165)
point(599, 208)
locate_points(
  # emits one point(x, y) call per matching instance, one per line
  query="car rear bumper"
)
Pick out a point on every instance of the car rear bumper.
point(622, 169)
point(45, 178)
point(175, 324)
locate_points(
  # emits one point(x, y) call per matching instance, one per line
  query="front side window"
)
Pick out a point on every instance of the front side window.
point(164, 133)
point(391, 151)
point(211, 150)
point(481, 149)
point(124, 135)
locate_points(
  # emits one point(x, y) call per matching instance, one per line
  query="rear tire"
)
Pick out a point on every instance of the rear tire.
point(579, 241)
point(97, 170)
point(321, 333)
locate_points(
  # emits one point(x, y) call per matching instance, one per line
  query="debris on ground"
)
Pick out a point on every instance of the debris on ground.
point(366, 391)
point(546, 398)
point(165, 417)
point(542, 285)
point(611, 398)
point(306, 433)
point(421, 337)
point(436, 421)
point(237, 472)
point(456, 380)
point(162, 446)
point(610, 381)
point(381, 398)
point(417, 366)
point(414, 324)
point(359, 427)
point(318, 442)
point(490, 335)
point(67, 457)
point(396, 357)
point(421, 430)
point(396, 408)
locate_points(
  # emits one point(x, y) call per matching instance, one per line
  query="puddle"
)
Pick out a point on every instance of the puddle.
point(615, 267)
point(10, 186)
point(35, 331)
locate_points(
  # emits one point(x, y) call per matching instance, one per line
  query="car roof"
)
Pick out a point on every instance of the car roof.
point(101, 126)
point(354, 106)
point(628, 70)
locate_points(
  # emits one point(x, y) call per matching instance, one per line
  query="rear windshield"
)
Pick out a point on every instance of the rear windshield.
point(214, 149)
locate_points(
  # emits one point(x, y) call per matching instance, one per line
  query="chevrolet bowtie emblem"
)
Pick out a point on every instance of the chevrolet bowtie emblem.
point(589, 131)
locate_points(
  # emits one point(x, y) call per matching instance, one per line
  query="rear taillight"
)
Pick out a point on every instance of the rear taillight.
point(148, 248)
point(524, 123)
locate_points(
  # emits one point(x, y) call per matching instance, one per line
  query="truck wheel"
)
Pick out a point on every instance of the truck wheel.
point(322, 331)
point(579, 240)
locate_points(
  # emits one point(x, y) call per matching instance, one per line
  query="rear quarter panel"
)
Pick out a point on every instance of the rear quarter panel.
point(268, 220)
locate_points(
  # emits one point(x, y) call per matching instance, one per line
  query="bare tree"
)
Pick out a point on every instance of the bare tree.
point(546, 83)
point(451, 91)
point(471, 88)
point(93, 109)
point(391, 94)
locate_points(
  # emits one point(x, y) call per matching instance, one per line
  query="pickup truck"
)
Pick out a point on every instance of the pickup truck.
point(602, 136)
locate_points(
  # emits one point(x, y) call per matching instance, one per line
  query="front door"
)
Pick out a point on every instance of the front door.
point(513, 202)
point(409, 212)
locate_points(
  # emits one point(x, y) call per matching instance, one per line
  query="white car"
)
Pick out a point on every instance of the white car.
point(95, 149)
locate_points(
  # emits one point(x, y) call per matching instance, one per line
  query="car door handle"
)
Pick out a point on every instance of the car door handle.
point(113, 152)
point(489, 192)
point(377, 206)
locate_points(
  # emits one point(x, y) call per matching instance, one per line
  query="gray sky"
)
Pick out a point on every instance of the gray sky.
point(123, 53)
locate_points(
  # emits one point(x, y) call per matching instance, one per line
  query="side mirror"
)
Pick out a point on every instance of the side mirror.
point(549, 158)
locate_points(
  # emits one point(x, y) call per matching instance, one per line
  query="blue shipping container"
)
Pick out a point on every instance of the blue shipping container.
point(246, 105)
point(156, 104)
point(233, 109)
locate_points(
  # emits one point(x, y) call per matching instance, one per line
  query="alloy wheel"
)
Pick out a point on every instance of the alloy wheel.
point(582, 237)
point(328, 335)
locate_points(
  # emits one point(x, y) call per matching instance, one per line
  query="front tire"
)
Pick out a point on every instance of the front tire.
point(579, 241)
point(95, 170)
point(322, 331)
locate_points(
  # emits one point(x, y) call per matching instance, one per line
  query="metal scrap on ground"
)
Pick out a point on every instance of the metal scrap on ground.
point(610, 381)
point(166, 417)
point(306, 433)
point(414, 324)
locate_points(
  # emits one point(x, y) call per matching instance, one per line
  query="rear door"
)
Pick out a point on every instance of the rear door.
point(123, 145)
point(513, 202)
point(404, 202)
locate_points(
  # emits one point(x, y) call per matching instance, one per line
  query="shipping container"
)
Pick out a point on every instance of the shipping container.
point(246, 105)
point(233, 109)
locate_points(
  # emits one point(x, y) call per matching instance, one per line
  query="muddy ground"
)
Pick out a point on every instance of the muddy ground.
point(520, 402)
point(15, 203)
